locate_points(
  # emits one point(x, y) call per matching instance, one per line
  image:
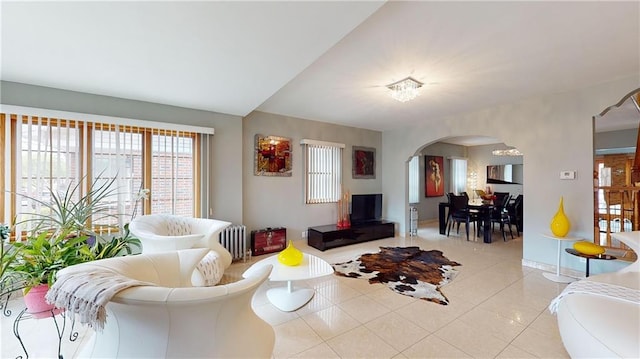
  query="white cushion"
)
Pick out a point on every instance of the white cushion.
point(209, 271)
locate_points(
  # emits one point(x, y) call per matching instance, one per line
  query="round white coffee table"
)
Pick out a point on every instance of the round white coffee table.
point(289, 298)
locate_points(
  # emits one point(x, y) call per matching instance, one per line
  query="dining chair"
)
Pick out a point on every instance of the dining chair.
point(514, 208)
point(459, 212)
point(500, 197)
point(448, 220)
point(501, 216)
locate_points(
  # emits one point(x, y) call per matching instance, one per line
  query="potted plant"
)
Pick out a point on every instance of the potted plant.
point(40, 257)
point(8, 255)
point(60, 238)
point(120, 245)
point(116, 246)
point(71, 211)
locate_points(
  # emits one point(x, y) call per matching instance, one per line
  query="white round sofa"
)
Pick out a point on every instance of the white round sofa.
point(172, 319)
point(168, 232)
point(605, 325)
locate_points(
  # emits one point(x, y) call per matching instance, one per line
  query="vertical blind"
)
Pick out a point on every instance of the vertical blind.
point(44, 154)
point(458, 175)
point(323, 171)
point(414, 179)
point(46, 158)
point(173, 172)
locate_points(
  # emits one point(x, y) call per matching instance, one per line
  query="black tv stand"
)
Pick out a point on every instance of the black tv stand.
point(366, 223)
point(330, 236)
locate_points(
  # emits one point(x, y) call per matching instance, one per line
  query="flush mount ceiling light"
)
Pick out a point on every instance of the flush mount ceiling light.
point(508, 152)
point(405, 89)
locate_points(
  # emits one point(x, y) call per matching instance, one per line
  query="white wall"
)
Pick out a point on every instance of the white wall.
point(481, 157)
point(615, 139)
point(554, 132)
point(279, 201)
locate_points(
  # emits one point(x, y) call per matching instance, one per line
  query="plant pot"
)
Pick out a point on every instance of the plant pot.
point(37, 306)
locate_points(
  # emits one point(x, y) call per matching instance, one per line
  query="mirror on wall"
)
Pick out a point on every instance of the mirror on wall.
point(616, 193)
point(505, 174)
point(615, 139)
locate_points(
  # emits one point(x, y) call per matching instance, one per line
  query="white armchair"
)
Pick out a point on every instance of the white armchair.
point(605, 324)
point(166, 232)
point(173, 319)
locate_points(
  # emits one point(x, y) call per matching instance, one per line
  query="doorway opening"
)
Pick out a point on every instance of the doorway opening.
point(466, 164)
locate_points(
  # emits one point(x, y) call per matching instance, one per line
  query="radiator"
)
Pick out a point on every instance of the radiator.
point(234, 239)
point(413, 224)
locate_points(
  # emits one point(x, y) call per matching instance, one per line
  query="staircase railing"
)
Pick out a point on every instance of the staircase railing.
point(616, 209)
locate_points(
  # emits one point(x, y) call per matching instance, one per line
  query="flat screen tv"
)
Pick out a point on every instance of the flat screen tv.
point(366, 208)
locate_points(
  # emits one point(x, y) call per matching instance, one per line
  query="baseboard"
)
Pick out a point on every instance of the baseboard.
point(552, 268)
point(425, 222)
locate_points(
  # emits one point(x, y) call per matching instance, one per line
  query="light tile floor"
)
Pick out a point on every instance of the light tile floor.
point(498, 310)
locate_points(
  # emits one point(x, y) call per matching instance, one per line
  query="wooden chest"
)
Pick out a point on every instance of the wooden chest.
point(268, 240)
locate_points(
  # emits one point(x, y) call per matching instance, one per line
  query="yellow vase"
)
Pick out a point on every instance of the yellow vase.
point(560, 225)
point(290, 256)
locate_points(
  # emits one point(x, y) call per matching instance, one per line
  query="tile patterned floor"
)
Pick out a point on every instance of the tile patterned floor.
point(498, 310)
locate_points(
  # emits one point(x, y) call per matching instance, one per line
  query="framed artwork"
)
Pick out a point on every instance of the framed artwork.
point(434, 176)
point(272, 156)
point(364, 162)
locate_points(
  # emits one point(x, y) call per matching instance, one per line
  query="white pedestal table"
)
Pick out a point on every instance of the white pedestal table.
point(557, 277)
point(289, 298)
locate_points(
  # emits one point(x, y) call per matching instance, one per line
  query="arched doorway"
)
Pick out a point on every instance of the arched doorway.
point(478, 153)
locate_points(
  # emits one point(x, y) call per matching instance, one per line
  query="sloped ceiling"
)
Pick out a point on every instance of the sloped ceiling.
point(225, 57)
point(325, 61)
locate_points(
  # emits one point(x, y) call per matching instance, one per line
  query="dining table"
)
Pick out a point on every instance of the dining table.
point(484, 208)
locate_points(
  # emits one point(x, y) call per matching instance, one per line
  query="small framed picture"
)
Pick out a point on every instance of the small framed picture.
point(364, 162)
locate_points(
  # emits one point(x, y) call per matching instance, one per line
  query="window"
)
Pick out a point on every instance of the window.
point(42, 154)
point(172, 172)
point(458, 175)
point(323, 171)
point(117, 155)
point(414, 180)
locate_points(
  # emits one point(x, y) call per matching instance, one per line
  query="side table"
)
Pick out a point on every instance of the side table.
point(589, 256)
point(288, 298)
point(7, 288)
point(557, 277)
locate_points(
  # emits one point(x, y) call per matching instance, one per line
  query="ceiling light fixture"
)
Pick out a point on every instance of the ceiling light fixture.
point(508, 152)
point(405, 89)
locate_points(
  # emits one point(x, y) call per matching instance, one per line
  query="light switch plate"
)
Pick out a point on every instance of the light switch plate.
point(567, 175)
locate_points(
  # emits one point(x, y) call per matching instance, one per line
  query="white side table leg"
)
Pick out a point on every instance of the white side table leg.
point(289, 299)
point(557, 277)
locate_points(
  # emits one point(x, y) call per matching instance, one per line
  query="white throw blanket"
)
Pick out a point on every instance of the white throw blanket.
point(87, 294)
point(597, 288)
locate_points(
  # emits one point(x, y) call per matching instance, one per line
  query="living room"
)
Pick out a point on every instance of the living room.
point(547, 113)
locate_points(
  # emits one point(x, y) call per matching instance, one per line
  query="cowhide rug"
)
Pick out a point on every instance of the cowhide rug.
point(406, 270)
